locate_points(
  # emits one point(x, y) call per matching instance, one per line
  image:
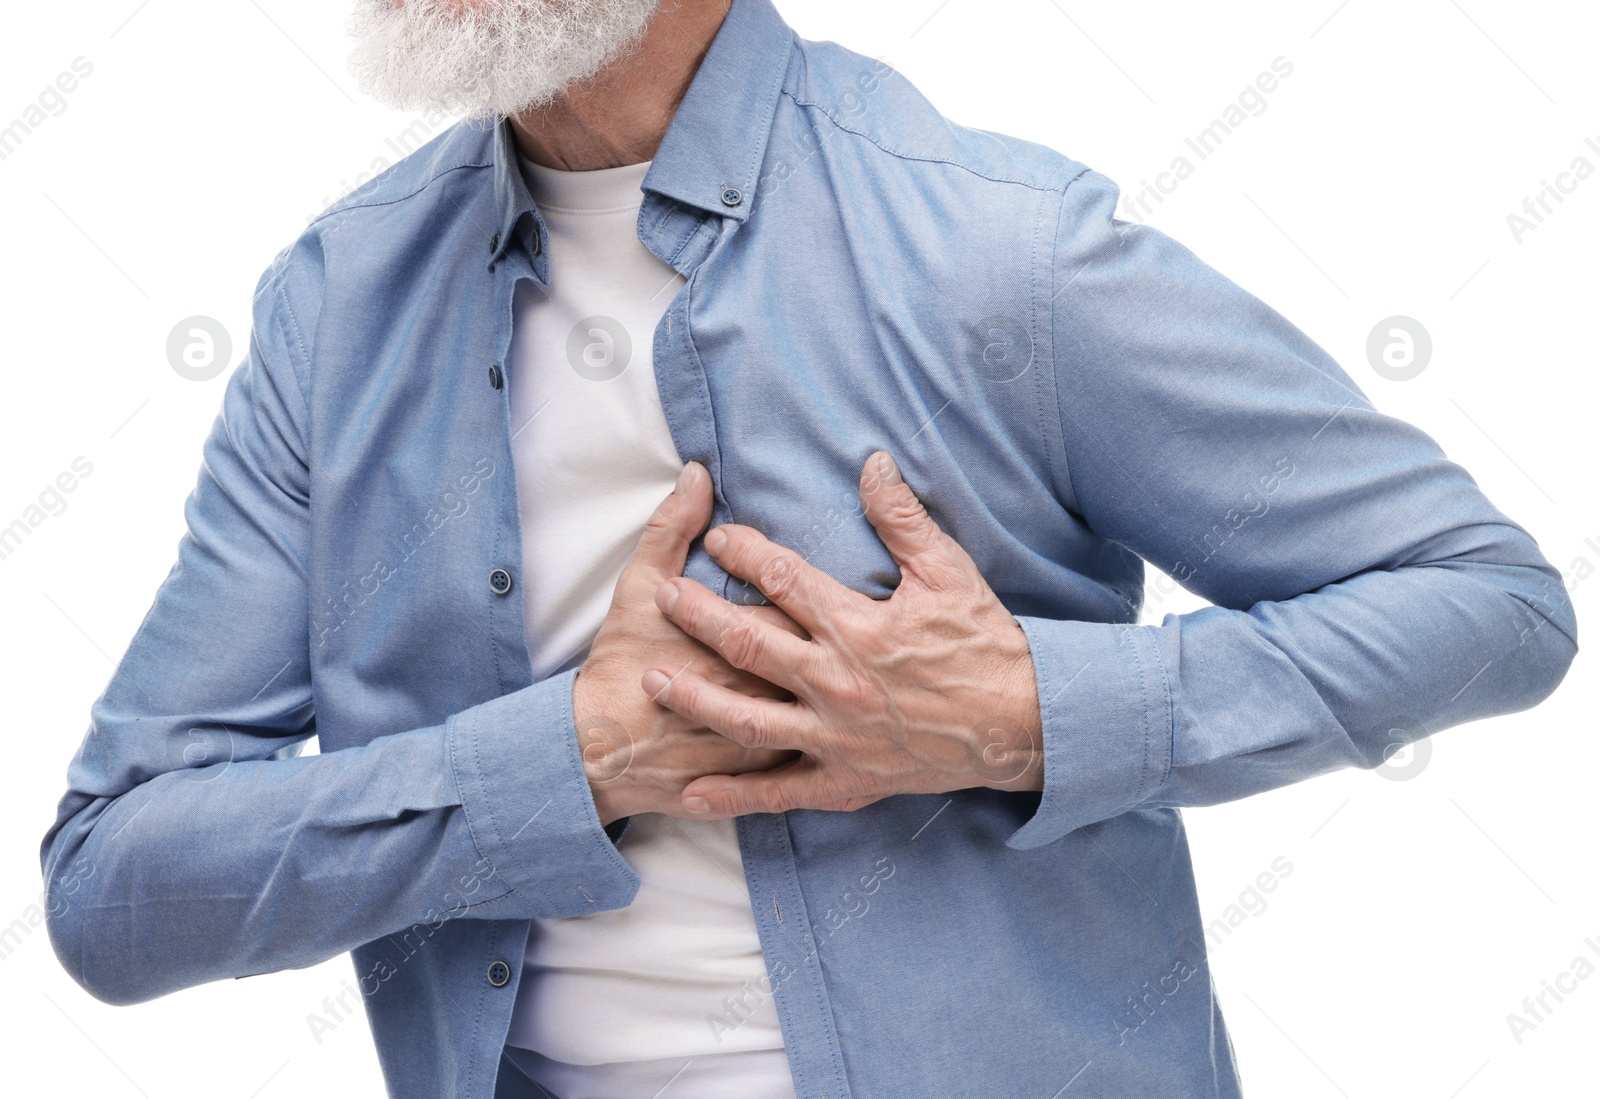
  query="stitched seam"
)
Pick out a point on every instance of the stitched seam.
point(1061, 219)
point(1033, 321)
point(490, 900)
point(701, 226)
point(703, 391)
point(775, 91)
point(1042, 672)
point(1055, 456)
point(423, 186)
point(466, 813)
point(703, 395)
point(1166, 701)
point(285, 312)
point(490, 608)
point(824, 1007)
point(478, 1063)
point(828, 114)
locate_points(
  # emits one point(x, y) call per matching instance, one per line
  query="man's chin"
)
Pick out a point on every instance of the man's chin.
point(481, 59)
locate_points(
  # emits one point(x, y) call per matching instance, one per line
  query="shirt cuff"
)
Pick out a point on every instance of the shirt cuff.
point(1105, 701)
point(528, 805)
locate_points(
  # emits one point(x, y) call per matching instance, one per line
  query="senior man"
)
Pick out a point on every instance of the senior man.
point(874, 790)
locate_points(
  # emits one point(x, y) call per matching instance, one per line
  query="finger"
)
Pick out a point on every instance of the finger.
point(807, 594)
point(668, 641)
point(759, 723)
point(676, 522)
point(744, 639)
point(907, 531)
point(798, 785)
point(776, 617)
point(848, 805)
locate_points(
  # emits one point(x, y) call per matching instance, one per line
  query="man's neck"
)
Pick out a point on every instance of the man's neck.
point(620, 115)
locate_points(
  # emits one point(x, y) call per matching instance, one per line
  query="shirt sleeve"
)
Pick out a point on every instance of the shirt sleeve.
point(1365, 591)
point(194, 844)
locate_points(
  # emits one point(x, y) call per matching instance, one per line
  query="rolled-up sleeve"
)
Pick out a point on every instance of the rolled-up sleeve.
point(1365, 592)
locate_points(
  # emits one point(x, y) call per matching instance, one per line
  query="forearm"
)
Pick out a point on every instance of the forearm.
point(1220, 704)
point(1365, 592)
point(261, 864)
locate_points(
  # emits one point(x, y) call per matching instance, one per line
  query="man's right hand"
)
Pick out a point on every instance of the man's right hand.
point(639, 756)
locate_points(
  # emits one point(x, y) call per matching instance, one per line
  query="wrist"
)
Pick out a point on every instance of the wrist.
point(606, 749)
point(1009, 743)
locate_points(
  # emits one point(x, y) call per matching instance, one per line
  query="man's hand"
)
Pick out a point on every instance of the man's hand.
point(638, 755)
point(928, 691)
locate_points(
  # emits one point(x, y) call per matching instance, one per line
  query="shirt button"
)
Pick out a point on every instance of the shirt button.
point(500, 581)
point(499, 974)
point(537, 245)
point(732, 196)
point(496, 379)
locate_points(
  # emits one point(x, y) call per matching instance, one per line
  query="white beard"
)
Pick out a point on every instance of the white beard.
point(480, 58)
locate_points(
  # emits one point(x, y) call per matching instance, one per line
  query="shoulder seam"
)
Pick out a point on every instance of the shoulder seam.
point(828, 113)
point(339, 208)
point(280, 313)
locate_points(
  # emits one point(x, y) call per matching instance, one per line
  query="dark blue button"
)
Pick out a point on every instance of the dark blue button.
point(500, 581)
point(496, 379)
point(499, 974)
point(732, 196)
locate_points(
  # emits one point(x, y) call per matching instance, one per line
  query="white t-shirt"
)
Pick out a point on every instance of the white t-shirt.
point(672, 988)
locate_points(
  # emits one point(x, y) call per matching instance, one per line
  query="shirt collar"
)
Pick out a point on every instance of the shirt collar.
point(711, 155)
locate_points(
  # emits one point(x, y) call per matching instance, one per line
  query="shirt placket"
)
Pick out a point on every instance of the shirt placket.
point(504, 942)
point(683, 238)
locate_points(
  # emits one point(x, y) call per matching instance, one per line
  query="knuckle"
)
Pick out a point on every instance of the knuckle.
point(903, 507)
point(778, 575)
point(660, 522)
point(684, 695)
point(757, 726)
point(768, 799)
point(742, 644)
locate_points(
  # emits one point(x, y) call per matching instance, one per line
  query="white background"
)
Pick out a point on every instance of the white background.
point(1418, 914)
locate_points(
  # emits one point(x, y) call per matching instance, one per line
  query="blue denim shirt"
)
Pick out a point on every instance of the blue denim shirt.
point(1067, 393)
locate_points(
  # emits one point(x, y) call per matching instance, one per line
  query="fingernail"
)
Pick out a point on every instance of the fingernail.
point(683, 481)
point(888, 472)
point(667, 597)
point(716, 538)
point(696, 805)
point(656, 685)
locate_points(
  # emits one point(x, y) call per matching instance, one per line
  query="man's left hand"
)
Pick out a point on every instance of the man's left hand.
point(927, 691)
